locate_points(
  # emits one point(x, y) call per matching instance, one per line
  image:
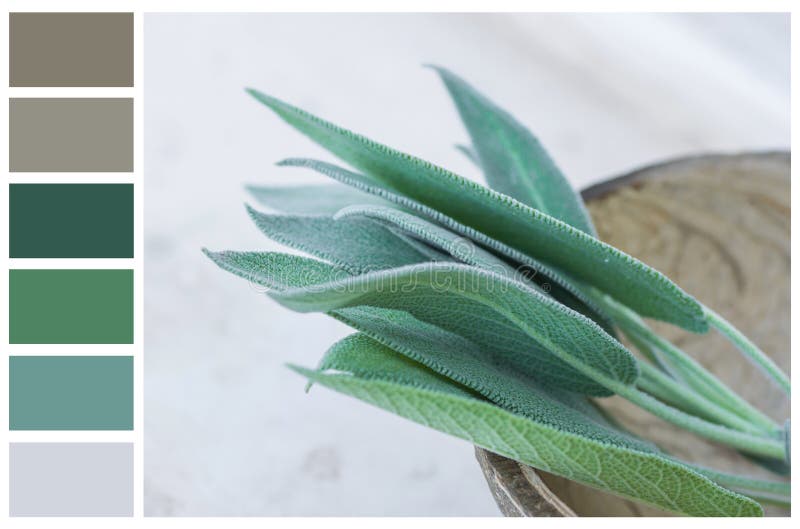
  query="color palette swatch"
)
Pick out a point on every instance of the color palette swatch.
point(64, 220)
point(70, 479)
point(70, 299)
point(70, 306)
point(71, 49)
point(70, 393)
point(70, 135)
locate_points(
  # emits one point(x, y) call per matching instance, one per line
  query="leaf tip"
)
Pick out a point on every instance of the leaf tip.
point(434, 67)
point(253, 92)
point(292, 162)
point(300, 370)
point(272, 102)
point(253, 212)
point(216, 257)
point(446, 75)
point(252, 189)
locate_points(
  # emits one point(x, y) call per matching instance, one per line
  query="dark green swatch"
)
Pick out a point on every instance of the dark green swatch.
point(71, 220)
point(70, 393)
point(70, 306)
point(70, 49)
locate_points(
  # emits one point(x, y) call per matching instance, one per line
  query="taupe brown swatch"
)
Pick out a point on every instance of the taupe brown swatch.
point(71, 49)
point(70, 135)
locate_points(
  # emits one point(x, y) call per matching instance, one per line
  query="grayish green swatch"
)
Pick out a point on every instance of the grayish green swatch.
point(70, 135)
point(70, 393)
point(70, 479)
point(71, 49)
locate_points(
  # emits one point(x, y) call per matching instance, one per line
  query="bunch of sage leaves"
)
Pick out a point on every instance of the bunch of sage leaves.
point(492, 313)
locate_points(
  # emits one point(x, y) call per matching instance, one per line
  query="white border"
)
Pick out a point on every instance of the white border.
point(141, 6)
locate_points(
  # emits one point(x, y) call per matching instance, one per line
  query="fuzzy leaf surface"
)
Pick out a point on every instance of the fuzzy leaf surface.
point(324, 199)
point(513, 160)
point(450, 312)
point(509, 382)
point(417, 394)
point(460, 248)
point(562, 286)
point(480, 305)
point(355, 244)
point(504, 218)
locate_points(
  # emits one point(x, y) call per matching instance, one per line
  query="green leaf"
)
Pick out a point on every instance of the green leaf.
point(461, 248)
point(418, 394)
point(357, 245)
point(562, 287)
point(470, 153)
point(366, 358)
point(466, 251)
point(482, 306)
point(274, 270)
point(511, 381)
point(451, 312)
point(513, 160)
point(506, 219)
point(325, 199)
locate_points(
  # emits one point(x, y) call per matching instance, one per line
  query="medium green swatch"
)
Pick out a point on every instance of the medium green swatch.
point(71, 220)
point(70, 306)
point(70, 393)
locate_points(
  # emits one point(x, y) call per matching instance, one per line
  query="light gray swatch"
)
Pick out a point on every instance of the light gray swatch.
point(70, 135)
point(71, 479)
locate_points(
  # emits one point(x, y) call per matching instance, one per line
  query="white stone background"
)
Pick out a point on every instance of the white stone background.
point(229, 430)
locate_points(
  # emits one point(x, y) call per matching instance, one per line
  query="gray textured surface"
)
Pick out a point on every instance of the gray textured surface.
point(228, 430)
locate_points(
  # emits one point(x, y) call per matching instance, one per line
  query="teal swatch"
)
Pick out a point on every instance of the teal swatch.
point(70, 393)
point(70, 306)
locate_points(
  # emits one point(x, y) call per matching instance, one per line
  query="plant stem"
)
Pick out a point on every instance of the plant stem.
point(654, 356)
point(650, 385)
point(780, 501)
point(778, 488)
point(695, 375)
point(749, 349)
point(752, 444)
point(680, 395)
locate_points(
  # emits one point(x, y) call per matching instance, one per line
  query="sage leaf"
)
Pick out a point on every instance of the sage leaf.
point(513, 160)
point(561, 286)
point(367, 358)
point(419, 395)
point(466, 251)
point(275, 270)
point(325, 199)
point(470, 153)
point(356, 244)
point(509, 381)
point(456, 297)
point(461, 248)
point(504, 218)
point(451, 312)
